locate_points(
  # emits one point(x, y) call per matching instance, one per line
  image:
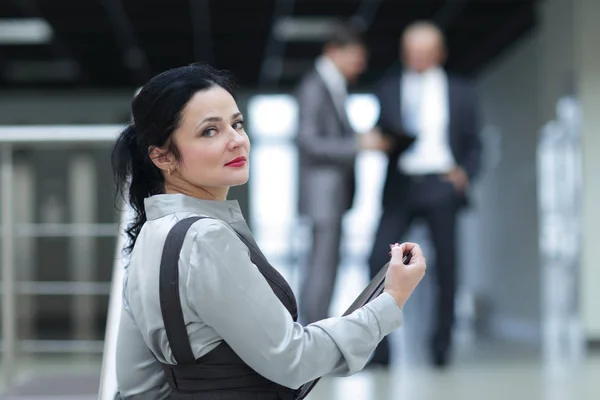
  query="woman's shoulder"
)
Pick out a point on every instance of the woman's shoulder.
point(206, 224)
point(208, 229)
point(214, 236)
point(201, 230)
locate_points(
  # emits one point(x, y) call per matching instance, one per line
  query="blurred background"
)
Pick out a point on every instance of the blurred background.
point(527, 325)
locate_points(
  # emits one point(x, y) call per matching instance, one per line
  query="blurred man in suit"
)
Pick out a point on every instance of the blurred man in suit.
point(328, 147)
point(433, 119)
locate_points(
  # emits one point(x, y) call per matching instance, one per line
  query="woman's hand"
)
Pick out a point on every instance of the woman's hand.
point(402, 279)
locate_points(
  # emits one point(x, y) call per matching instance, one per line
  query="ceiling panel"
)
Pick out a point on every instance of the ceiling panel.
point(120, 43)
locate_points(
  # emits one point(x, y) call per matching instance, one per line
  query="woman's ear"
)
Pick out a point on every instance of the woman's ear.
point(162, 158)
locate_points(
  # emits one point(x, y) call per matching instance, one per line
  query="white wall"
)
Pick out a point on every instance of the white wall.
point(557, 64)
point(503, 229)
point(587, 15)
point(519, 94)
point(570, 33)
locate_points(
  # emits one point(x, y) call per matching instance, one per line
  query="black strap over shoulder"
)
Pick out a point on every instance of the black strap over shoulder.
point(221, 370)
point(274, 278)
point(170, 302)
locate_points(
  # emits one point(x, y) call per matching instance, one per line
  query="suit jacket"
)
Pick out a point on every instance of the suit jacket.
point(327, 153)
point(464, 125)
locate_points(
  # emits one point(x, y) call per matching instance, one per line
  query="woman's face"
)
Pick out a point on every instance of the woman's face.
point(213, 146)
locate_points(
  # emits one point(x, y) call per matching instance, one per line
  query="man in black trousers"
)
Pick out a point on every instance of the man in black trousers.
point(433, 119)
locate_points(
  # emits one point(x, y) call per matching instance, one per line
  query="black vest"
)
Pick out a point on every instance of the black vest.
point(220, 374)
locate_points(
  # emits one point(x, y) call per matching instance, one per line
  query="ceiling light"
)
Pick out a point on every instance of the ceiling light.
point(307, 28)
point(25, 31)
point(32, 70)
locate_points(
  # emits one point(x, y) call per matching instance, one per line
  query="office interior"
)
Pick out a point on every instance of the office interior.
point(527, 320)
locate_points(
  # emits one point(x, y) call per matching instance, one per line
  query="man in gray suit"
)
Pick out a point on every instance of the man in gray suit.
point(327, 152)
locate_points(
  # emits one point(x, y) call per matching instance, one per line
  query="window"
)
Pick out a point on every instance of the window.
point(273, 187)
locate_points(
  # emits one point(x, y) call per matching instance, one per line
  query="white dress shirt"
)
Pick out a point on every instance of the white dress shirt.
point(335, 82)
point(225, 297)
point(425, 112)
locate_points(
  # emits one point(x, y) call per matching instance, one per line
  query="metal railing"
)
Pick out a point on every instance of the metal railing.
point(18, 137)
point(108, 376)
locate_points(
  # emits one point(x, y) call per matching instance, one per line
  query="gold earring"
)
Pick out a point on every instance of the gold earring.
point(169, 171)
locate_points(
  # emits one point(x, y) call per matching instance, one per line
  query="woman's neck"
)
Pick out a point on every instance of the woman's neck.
point(198, 192)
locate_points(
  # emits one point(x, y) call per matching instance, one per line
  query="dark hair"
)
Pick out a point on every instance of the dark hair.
point(157, 112)
point(345, 33)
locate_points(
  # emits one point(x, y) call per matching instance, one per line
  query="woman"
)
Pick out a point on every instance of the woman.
point(227, 329)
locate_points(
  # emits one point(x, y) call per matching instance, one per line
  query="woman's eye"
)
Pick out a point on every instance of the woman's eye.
point(238, 125)
point(209, 132)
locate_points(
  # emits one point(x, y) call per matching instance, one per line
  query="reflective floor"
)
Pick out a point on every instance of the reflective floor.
point(494, 380)
point(482, 368)
point(491, 371)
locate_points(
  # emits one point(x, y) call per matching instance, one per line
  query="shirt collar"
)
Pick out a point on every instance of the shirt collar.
point(329, 72)
point(160, 205)
point(434, 71)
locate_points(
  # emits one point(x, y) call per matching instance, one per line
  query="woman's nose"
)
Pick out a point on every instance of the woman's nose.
point(238, 139)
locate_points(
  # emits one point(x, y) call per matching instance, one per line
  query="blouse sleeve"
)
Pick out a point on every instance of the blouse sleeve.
point(230, 294)
point(138, 373)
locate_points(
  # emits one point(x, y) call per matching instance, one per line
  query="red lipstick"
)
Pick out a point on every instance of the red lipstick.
point(237, 162)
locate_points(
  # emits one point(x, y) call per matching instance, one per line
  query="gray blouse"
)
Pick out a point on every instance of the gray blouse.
point(225, 297)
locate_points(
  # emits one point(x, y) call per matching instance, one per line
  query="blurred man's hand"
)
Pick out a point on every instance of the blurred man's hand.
point(374, 140)
point(459, 178)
